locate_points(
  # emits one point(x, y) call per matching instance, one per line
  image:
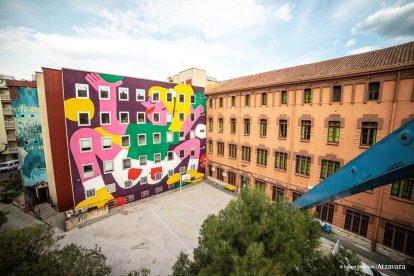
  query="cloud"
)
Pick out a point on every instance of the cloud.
point(362, 50)
point(389, 22)
point(283, 13)
point(350, 42)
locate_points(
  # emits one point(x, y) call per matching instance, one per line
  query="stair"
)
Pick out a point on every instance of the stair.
point(45, 211)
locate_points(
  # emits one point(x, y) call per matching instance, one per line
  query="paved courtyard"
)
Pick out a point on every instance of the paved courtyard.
point(153, 232)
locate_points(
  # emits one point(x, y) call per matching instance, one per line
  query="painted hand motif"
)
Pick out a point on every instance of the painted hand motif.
point(95, 80)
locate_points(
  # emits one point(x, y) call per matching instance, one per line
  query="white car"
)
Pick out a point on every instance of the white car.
point(9, 165)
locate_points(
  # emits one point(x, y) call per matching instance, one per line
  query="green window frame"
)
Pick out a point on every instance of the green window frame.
point(334, 131)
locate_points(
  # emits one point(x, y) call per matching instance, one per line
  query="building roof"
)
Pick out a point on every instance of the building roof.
point(383, 59)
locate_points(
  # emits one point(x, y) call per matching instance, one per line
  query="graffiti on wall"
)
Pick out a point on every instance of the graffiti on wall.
point(26, 113)
point(131, 138)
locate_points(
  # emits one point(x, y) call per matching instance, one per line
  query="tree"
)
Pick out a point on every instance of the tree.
point(33, 251)
point(254, 236)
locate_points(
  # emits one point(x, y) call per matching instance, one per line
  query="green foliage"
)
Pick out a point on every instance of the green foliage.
point(140, 272)
point(33, 251)
point(254, 236)
point(3, 217)
point(12, 189)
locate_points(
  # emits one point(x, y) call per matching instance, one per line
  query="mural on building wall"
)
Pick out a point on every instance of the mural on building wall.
point(26, 113)
point(131, 138)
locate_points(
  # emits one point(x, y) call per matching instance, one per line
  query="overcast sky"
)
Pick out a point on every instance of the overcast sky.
point(158, 38)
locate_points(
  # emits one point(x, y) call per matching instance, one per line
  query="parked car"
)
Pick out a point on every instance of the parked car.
point(9, 165)
point(368, 271)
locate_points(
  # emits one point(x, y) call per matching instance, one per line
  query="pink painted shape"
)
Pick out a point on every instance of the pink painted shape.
point(156, 107)
point(188, 124)
point(187, 146)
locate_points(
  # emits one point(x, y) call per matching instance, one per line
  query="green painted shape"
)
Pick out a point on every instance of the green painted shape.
point(111, 78)
point(199, 99)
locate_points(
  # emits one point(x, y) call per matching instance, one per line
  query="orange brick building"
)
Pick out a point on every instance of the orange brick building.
point(288, 129)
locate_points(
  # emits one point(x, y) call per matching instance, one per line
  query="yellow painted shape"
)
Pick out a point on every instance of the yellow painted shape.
point(116, 139)
point(185, 107)
point(173, 179)
point(163, 96)
point(230, 187)
point(75, 105)
point(99, 200)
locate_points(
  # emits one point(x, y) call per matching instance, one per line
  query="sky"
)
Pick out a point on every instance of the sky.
point(155, 39)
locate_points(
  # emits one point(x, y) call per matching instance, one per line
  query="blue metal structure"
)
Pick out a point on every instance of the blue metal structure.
point(389, 160)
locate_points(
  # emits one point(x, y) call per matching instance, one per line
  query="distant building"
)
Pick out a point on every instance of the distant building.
point(193, 76)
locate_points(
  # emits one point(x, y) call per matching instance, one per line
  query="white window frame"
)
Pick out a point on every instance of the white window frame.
point(158, 189)
point(102, 142)
point(145, 178)
point(192, 99)
point(183, 151)
point(153, 137)
point(138, 91)
point(145, 118)
point(89, 118)
point(103, 166)
point(123, 89)
point(191, 151)
point(145, 135)
point(145, 193)
point(109, 92)
point(123, 165)
point(129, 198)
point(192, 134)
point(169, 117)
point(100, 118)
point(183, 98)
point(94, 193)
point(129, 141)
point(123, 112)
point(129, 185)
point(110, 188)
point(168, 158)
point(153, 117)
point(156, 154)
point(181, 138)
point(193, 167)
point(170, 173)
point(181, 116)
point(166, 97)
point(78, 86)
point(183, 170)
point(146, 161)
point(172, 136)
point(80, 144)
point(192, 117)
point(158, 176)
point(159, 95)
point(91, 173)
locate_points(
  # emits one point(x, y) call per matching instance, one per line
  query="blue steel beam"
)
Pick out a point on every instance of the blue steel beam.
point(389, 160)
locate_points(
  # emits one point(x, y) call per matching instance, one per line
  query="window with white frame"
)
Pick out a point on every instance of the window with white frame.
point(126, 163)
point(142, 139)
point(106, 143)
point(181, 116)
point(88, 170)
point(192, 116)
point(143, 160)
point(170, 173)
point(105, 118)
point(140, 95)
point(144, 193)
point(157, 157)
point(85, 144)
point(193, 167)
point(182, 136)
point(128, 183)
point(129, 198)
point(169, 117)
point(170, 137)
point(90, 193)
point(183, 169)
point(156, 117)
point(108, 166)
point(182, 153)
point(141, 118)
point(169, 97)
point(124, 117)
point(158, 189)
point(192, 99)
point(82, 91)
point(158, 176)
point(170, 155)
point(156, 138)
point(144, 180)
point(192, 152)
point(110, 188)
point(83, 119)
point(123, 94)
point(155, 96)
point(181, 98)
point(125, 141)
point(192, 134)
point(104, 93)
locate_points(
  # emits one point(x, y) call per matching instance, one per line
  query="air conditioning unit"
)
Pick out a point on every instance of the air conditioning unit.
point(69, 213)
point(213, 169)
point(224, 174)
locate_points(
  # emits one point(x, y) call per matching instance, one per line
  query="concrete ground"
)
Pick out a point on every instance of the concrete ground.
point(153, 232)
point(16, 218)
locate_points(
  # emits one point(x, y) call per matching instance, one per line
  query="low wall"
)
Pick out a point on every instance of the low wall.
point(85, 217)
point(363, 242)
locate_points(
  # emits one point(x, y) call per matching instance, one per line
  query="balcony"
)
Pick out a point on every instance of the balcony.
point(7, 111)
point(5, 97)
point(9, 124)
point(12, 150)
point(11, 137)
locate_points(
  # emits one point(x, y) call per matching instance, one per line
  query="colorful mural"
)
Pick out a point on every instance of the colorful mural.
point(26, 113)
point(131, 138)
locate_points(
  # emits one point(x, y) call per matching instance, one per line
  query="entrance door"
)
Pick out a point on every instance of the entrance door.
point(43, 194)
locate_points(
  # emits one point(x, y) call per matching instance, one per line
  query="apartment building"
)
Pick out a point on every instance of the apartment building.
point(287, 130)
point(193, 76)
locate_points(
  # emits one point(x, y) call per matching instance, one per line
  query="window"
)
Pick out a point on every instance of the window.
point(144, 180)
point(210, 146)
point(356, 222)
point(155, 96)
point(181, 136)
point(232, 151)
point(192, 152)
point(231, 177)
point(193, 167)
point(156, 138)
point(303, 165)
point(263, 127)
point(247, 100)
point(399, 238)
point(170, 173)
point(220, 174)
point(123, 94)
point(83, 119)
point(170, 137)
point(403, 189)
point(156, 117)
point(281, 160)
point(181, 98)
point(170, 155)
point(325, 212)
point(220, 125)
point(158, 176)
point(368, 133)
point(246, 126)
point(264, 98)
point(126, 163)
point(328, 168)
point(169, 117)
point(261, 157)
point(85, 145)
point(142, 139)
point(90, 193)
point(105, 118)
point(129, 198)
point(87, 170)
point(233, 101)
point(143, 160)
point(220, 148)
point(106, 143)
point(182, 153)
point(260, 184)
point(211, 103)
point(220, 102)
point(104, 93)
point(168, 97)
point(82, 91)
point(125, 141)
point(246, 153)
point(158, 189)
point(110, 188)
point(183, 170)
point(124, 117)
point(210, 124)
point(373, 91)
point(181, 116)
point(157, 157)
point(307, 96)
point(282, 128)
point(305, 130)
point(277, 194)
point(108, 166)
point(140, 95)
point(334, 130)
point(192, 117)
point(284, 97)
point(141, 118)
point(336, 93)
point(144, 193)
point(128, 183)
point(296, 195)
point(233, 126)
point(192, 99)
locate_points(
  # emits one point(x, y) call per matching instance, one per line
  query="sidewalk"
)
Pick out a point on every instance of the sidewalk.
point(16, 218)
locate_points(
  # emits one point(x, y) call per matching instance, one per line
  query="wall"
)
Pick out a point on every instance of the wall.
point(99, 180)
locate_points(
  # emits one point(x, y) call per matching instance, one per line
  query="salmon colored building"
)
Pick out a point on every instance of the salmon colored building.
point(288, 129)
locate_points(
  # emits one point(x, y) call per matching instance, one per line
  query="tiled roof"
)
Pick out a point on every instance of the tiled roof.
point(371, 61)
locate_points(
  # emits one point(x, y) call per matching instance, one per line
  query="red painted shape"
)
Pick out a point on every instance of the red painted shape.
point(134, 173)
point(203, 161)
point(154, 171)
point(120, 201)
